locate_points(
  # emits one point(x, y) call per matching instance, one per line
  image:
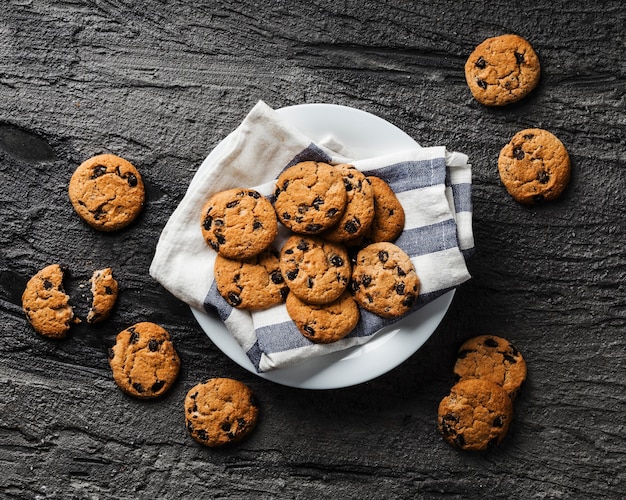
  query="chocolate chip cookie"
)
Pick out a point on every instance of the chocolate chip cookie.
point(104, 290)
point(492, 358)
point(315, 270)
point(476, 415)
point(502, 70)
point(388, 221)
point(254, 283)
point(107, 192)
point(534, 166)
point(324, 323)
point(384, 280)
point(359, 212)
point(220, 411)
point(144, 361)
point(238, 223)
point(46, 304)
point(310, 197)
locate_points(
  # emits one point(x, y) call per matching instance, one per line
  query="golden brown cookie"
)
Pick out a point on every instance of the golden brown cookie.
point(220, 411)
point(46, 304)
point(144, 361)
point(315, 270)
point(534, 166)
point(475, 416)
point(384, 280)
point(104, 290)
point(502, 70)
point(324, 323)
point(107, 192)
point(310, 197)
point(492, 358)
point(389, 217)
point(255, 283)
point(359, 212)
point(238, 223)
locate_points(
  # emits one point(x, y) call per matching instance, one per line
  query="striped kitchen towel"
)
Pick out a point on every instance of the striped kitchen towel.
point(433, 185)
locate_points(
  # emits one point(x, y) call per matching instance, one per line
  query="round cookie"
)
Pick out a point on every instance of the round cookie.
point(534, 166)
point(492, 358)
point(254, 283)
point(104, 290)
point(359, 212)
point(220, 411)
point(238, 223)
point(475, 416)
point(384, 280)
point(502, 70)
point(315, 270)
point(107, 192)
point(389, 216)
point(46, 304)
point(144, 361)
point(310, 197)
point(324, 323)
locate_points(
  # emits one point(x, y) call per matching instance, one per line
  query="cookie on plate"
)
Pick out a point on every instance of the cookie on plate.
point(107, 192)
point(144, 361)
point(359, 212)
point(502, 70)
point(475, 416)
point(534, 166)
point(254, 283)
point(220, 411)
point(310, 197)
point(46, 304)
point(316, 270)
point(389, 218)
point(492, 358)
point(324, 323)
point(104, 290)
point(238, 223)
point(384, 280)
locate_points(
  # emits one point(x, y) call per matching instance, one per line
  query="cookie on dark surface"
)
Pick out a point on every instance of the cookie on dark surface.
point(238, 223)
point(324, 323)
point(502, 70)
point(144, 361)
point(389, 217)
point(46, 304)
point(316, 270)
point(104, 291)
point(220, 411)
point(310, 197)
point(492, 358)
point(475, 416)
point(254, 283)
point(359, 212)
point(107, 192)
point(384, 280)
point(534, 166)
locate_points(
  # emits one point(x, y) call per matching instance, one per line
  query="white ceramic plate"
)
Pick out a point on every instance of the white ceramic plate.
point(364, 135)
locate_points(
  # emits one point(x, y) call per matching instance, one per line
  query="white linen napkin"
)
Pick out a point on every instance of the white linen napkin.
point(433, 185)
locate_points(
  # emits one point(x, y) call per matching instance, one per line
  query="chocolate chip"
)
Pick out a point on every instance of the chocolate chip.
point(134, 336)
point(317, 202)
point(369, 298)
point(276, 277)
point(447, 424)
point(131, 179)
point(225, 426)
point(47, 284)
point(286, 216)
point(138, 387)
point(242, 422)
point(98, 213)
point(409, 300)
point(463, 354)
point(459, 440)
point(236, 278)
point(331, 212)
point(347, 184)
point(303, 245)
point(233, 299)
point(276, 192)
point(291, 275)
point(289, 251)
point(400, 271)
point(254, 194)
point(202, 435)
point(383, 256)
point(518, 153)
point(519, 58)
point(309, 282)
point(257, 225)
point(153, 345)
point(214, 245)
point(108, 290)
point(399, 288)
point(543, 177)
point(219, 222)
point(157, 386)
point(284, 291)
point(312, 228)
point(220, 238)
point(98, 171)
point(336, 261)
point(309, 330)
point(489, 342)
point(302, 208)
point(498, 422)
point(510, 358)
point(352, 226)
point(208, 222)
point(481, 83)
point(354, 285)
point(366, 280)
point(480, 63)
point(232, 204)
point(528, 136)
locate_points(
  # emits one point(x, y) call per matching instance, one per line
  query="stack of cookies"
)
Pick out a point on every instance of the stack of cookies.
point(338, 256)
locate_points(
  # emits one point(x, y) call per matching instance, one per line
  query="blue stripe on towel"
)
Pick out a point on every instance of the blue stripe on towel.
point(409, 175)
point(214, 302)
point(311, 153)
point(428, 239)
point(462, 194)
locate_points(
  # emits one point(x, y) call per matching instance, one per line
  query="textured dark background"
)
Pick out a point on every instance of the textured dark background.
point(161, 83)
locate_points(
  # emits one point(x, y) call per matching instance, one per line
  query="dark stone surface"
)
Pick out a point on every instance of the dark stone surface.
point(161, 83)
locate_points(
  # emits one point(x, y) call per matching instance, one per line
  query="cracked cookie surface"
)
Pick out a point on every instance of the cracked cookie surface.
point(324, 323)
point(389, 217)
point(475, 416)
point(502, 70)
point(310, 197)
point(315, 270)
point(104, 290)
point(46, 304)
point(220, 411)
point(107, 192)
point(238, 223)
point(144, 361)
point(534, 166)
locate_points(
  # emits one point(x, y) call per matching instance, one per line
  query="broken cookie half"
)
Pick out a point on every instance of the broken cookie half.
point(104, 290)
